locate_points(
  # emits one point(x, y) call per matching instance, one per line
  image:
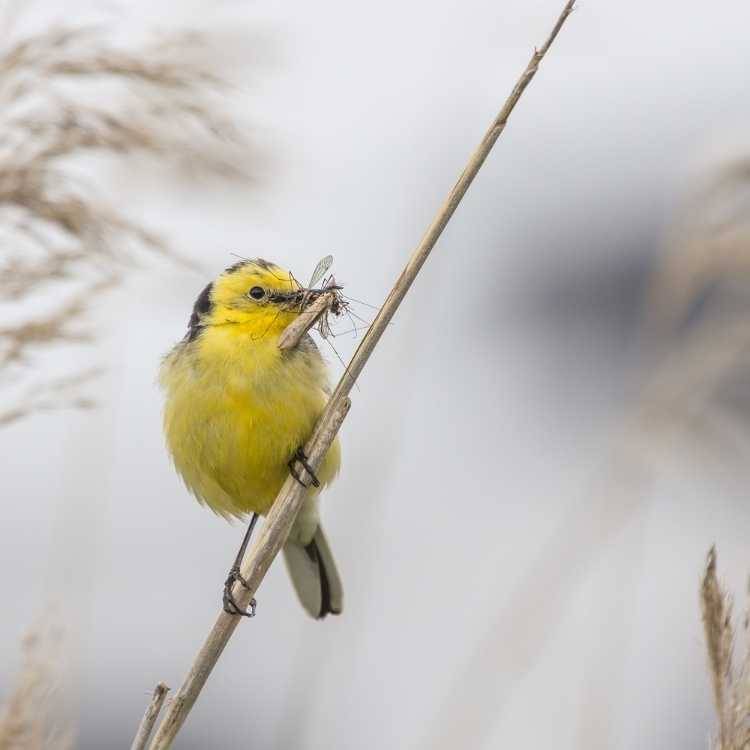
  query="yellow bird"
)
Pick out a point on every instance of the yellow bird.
point(238, 410)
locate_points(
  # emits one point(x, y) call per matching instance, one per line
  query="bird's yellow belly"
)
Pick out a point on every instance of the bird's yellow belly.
point(231, 438)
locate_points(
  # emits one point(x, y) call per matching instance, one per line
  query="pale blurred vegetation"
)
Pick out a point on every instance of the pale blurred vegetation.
point(31, 714)
point(691, 398)
point(75, 101)
point(71, 93)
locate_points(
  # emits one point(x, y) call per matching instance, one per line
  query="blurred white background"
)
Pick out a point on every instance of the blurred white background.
point(503, 586)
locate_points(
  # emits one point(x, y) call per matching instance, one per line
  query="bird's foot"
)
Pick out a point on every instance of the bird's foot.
point(302, 458)
point(230, 603)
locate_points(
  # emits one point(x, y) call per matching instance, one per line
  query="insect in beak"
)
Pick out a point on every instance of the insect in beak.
point(301, 298)
point(287, 299)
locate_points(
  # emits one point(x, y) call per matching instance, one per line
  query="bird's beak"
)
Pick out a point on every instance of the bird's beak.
point(300, 298)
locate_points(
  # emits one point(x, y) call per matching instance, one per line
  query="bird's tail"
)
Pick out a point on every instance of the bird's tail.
point(314, 575)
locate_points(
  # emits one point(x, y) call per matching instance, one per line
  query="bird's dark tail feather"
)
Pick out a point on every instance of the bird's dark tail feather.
point(314, 575)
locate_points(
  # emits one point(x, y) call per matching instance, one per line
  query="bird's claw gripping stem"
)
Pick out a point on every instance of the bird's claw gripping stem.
point(302, 458)
point(230, 603)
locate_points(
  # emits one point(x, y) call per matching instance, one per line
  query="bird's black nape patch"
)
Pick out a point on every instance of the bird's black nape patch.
point(264, 264)
point(201, 307)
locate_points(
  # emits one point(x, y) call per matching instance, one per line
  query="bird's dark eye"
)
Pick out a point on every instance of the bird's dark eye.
point(257, 292)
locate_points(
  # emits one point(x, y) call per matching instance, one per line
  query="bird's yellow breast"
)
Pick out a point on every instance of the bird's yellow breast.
point(237, 408)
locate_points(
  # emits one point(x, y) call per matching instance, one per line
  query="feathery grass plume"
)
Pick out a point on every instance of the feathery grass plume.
point(717, 622)
point(697, 310)
point(29, 714)
point(731, 683)
point(706, 247)
point(68, 97)
point(54, 394)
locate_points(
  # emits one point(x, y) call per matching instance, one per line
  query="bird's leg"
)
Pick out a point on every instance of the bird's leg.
point(230, 604)
point(302, 458)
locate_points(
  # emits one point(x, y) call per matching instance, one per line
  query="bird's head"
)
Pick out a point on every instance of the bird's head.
point(253, 297)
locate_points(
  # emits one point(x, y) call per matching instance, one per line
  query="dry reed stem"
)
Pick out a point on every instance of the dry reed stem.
point(290, 498)
point(305, 321)
point(262, 553)
point(150, 717)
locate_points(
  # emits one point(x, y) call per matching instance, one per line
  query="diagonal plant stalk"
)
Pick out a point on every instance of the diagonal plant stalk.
point(149, 718)
point(291, 495)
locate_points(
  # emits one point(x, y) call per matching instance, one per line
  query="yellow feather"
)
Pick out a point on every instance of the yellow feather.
point(237, 408)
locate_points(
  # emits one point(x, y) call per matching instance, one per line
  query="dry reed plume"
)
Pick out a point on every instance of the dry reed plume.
point(707, 247)
point(699, 300)
point(731, 682)
point(68, 97)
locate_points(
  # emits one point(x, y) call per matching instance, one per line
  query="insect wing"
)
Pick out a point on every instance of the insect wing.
point(320, 271)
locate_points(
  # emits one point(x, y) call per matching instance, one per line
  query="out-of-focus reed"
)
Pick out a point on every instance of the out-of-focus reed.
point(70, 99)
point(30, 715)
